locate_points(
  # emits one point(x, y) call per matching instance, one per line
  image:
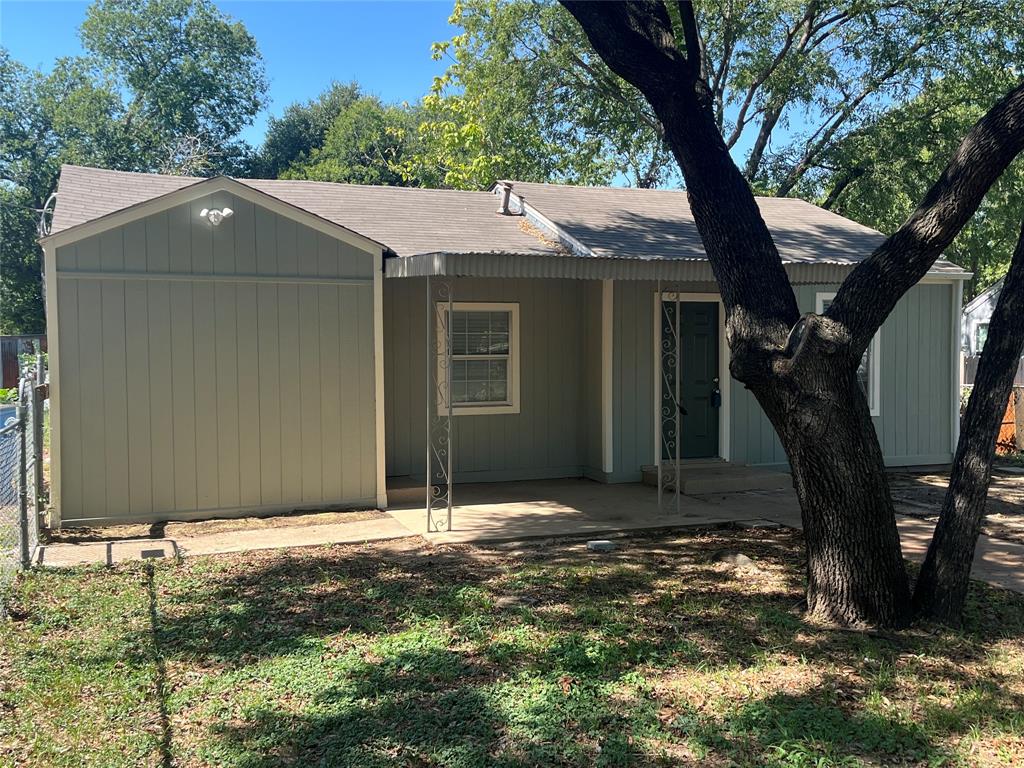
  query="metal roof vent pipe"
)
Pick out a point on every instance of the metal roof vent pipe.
point(506, 194)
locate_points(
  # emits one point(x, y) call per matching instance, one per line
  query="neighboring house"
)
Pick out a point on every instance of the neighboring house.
point(974, 333)
point(976, 316)
point(293, 354)
point(11, 350)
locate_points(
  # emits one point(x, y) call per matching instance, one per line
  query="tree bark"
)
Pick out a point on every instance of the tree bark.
point(942, 585)
point(802, 370)
point(855, 570)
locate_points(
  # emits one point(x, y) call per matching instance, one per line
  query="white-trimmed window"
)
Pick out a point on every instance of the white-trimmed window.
point(869, 371)
point(980, 337)
point(485, 358)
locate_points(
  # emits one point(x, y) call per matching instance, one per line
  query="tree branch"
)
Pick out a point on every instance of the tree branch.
point(871, 291)
point(691, 36)
point(942, 586)
point(841, 185)
point(764, 133)
point(635, 40)
point(827, 130)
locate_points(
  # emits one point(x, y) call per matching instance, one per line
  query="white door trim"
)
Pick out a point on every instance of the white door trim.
point(724, 379)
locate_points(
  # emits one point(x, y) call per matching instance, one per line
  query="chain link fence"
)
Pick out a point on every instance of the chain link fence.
point(22, 500)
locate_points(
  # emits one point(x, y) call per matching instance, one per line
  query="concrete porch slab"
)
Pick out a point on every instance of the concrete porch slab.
point(700, 476)
point(497, 512)
point(494, 512)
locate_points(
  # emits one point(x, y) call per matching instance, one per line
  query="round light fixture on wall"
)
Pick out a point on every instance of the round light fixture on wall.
point(215, 216)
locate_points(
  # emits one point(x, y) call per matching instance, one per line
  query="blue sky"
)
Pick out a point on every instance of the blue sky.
point(385, 46)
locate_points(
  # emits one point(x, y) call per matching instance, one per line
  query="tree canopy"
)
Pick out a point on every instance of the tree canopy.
point(164, 85)
point(850, 105)
point(885, 167)
point(367, 143)
point(154, 75)
point(301, 129)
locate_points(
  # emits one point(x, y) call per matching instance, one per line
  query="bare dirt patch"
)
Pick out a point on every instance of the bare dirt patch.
point(176, 530)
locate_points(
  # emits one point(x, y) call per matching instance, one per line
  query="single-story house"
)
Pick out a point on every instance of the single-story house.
point(975, 319)
point(232, 346)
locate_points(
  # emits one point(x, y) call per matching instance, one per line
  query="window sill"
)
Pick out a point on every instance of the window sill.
point(485, 410)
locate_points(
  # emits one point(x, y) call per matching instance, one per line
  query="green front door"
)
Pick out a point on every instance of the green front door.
point(698, 378)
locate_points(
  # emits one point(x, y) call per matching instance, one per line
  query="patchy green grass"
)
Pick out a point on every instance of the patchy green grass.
point(406, 655)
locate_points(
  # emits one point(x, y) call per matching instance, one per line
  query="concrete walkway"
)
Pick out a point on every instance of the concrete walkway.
point(110, 552)
point(996, 561)
point(503, 512)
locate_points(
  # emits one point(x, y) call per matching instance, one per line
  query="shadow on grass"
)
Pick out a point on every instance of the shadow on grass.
point(264, 604)
point(463, 657)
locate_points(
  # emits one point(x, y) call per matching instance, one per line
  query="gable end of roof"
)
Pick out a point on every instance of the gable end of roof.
point(189, 190)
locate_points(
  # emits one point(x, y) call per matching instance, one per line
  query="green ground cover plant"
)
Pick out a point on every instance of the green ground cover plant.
point(407, 654)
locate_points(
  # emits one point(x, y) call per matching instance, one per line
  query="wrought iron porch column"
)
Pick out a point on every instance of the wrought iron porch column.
point(668, 395)
point(439, 434)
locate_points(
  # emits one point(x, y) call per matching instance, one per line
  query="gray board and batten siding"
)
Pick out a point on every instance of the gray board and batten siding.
point(913, 424)
point(214, 370)
point(558, 431)
point(559, 423)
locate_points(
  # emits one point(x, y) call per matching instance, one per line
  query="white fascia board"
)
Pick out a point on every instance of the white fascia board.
point(53, 363)
point(207, 187)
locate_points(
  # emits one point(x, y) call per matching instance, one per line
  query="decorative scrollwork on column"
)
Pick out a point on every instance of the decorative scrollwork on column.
point(440, 438)
point(670, 413)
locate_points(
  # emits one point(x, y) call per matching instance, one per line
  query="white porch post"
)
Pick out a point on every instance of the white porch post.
point(378, 370)
point(607, 379)
point(957, 289)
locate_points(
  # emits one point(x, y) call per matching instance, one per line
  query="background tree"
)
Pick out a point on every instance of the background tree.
point(802, 369)
point(877, 173)
point(164, 86)
point(516, 101)
point(367, 143)
point(850, 105)
point(302, 128)
point(184, 68)
point(21, 294)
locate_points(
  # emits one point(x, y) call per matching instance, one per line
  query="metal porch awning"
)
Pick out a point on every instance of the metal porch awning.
point(572, 266)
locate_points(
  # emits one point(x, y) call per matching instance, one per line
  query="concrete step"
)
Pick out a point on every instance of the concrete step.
point(704, 477)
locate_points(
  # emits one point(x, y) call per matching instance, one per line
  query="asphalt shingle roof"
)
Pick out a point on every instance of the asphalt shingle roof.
point(610, 222)
point(658, 224)
point(409, 221)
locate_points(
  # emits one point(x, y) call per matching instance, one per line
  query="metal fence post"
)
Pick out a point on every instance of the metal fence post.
point(36, 402)
point(26, 553)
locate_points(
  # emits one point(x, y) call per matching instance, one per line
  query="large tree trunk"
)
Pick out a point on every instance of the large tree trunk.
point(802, 371)
point(942, 586)
point(855, 570)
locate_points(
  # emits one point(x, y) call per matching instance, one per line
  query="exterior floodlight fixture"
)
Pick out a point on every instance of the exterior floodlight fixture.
point(216, 216)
